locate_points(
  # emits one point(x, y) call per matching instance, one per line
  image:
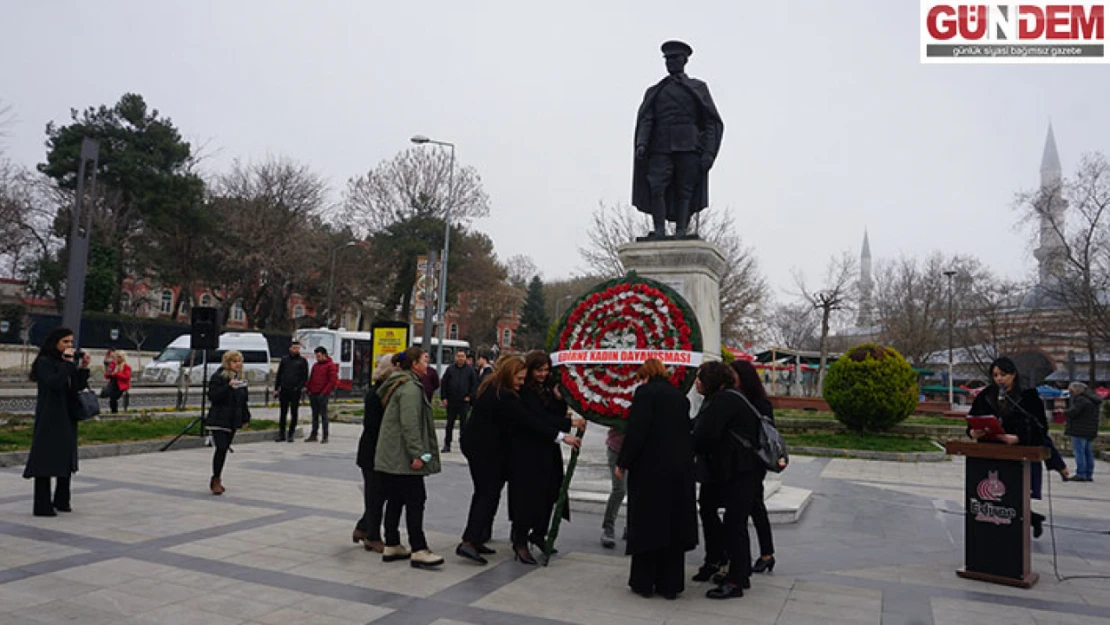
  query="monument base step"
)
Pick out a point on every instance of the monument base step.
point(785, 504)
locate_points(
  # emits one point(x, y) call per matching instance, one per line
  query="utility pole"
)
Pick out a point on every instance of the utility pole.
point(951, 393)
point(80, 233)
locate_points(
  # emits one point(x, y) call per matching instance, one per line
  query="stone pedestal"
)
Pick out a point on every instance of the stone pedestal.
point(691, 267)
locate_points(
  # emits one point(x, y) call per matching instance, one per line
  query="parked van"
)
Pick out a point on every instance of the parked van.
point(177, 358)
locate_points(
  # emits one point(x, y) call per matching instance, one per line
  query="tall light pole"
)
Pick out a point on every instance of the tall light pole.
point(441, 310)
point(331, 276)
point(80, 235)
point(951, 399)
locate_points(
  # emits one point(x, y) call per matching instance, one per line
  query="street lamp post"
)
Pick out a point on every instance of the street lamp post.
point(331, 276)
point(441, 309)
point(951, 399)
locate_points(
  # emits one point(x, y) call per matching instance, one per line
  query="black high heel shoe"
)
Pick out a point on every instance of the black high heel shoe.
point(762, 565)
point(523, 555)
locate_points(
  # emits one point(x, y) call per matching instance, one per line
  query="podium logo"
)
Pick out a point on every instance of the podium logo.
point(1023, 32)
point(991, 488)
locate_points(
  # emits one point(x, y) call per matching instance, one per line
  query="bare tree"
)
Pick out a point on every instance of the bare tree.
point(836, 293)
point(415, 183)
point(520, 269)
point(1079, 260)
point(743, 288)
point(794, 326)
point(264, 210)
point(988, 316)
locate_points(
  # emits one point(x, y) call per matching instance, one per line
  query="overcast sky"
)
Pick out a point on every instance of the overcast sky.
point(832, 124)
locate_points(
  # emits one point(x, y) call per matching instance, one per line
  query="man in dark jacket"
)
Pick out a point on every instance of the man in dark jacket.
point(1082, 427)
point(289, 383)
point(321, 384)
point(457, 389)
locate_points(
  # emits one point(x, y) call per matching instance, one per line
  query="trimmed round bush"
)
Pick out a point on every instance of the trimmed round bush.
point(871, 388)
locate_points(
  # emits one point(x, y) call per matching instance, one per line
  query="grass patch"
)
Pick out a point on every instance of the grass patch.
point(860, 442)
point(18, 437)
point(911, 420)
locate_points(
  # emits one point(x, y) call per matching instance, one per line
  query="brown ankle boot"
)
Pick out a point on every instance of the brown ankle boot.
point(216, 486)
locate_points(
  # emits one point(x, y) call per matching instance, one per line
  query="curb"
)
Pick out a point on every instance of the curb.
point(89, 452)
point(860, 454)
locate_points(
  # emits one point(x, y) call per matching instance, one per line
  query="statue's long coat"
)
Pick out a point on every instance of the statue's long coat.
point(712, 130)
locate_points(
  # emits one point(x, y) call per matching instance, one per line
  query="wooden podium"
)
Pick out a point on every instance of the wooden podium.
point(996, 521)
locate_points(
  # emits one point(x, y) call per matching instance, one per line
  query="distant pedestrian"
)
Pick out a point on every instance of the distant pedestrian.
point(617, 490)
point(54, 441)
point(227, 390)
point(321, 384)
point(119, 381)
point(1082, 427)
point(183, 375)
point(289, 383)
point(430, 381)
point(483, 367)
point(456, 390)
point(407, 451)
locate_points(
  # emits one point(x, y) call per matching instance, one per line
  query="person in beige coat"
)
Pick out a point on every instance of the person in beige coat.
point(407, 450)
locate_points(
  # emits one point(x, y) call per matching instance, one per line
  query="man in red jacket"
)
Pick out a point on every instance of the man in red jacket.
point(321, 384)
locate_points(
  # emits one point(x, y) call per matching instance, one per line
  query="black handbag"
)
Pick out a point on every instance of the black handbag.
point(88, 405)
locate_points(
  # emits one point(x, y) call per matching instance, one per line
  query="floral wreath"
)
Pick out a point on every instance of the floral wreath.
point(631, 317)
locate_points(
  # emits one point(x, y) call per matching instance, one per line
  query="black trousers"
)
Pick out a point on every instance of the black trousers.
point(113, 401)
point(709, 505)
point(373, 498)
point(661, 570)
point(43, 502)
point(290, 402)
point(489, 479)
point(405, 491)
point(455, 410)
point(319, 404)
point(738, 498)
point(762, 524)
point(221, 440)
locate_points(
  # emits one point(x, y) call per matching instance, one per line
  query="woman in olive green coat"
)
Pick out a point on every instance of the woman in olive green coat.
point(407, 450)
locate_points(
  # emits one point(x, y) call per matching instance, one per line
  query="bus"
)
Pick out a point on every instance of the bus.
point(352, 351)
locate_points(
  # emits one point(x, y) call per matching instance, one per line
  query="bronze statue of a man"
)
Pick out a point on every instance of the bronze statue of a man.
point(678, 134)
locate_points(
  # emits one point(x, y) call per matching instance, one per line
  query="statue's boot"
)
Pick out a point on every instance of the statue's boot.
point(682, 221)
point(659, 216)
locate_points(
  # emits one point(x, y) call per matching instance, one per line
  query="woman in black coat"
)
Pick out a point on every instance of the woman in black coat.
point(54, 442)
point(227, 390)
point(658, 456)
point(751, 386)
point(1021, 412)
point(368, 529)
point(535, 462)
point(485, 444)
point(726, 466)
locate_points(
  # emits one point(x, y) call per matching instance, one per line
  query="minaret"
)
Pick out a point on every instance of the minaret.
point(1050, 253)
point(866, 284)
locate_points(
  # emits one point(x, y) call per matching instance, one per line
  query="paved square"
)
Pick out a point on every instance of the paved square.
point(147, 544)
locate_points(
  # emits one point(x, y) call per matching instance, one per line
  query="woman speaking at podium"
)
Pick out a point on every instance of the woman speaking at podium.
point(1021, 413)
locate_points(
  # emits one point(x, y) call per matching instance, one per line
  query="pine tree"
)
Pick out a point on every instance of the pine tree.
point(533, 317)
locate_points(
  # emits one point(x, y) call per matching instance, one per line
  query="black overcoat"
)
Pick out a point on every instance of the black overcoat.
point(659, 457)
point(54, 441)
point(229, 405)
point(1023, 417)
point(371, 425)
point(535, 461)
